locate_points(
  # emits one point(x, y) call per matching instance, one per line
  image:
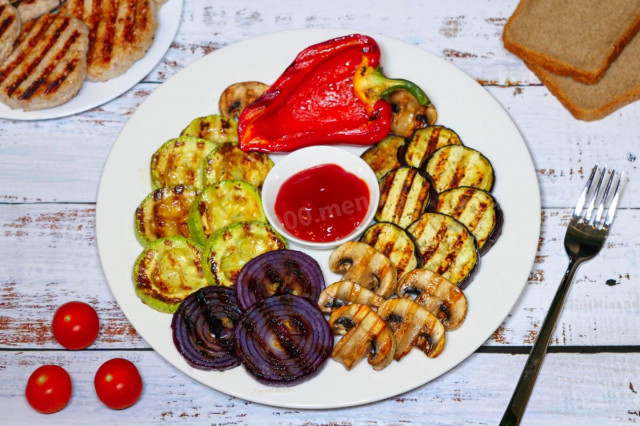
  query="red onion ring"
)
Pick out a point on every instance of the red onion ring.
point(279, 271)
point(203, 328)
point(283, 340)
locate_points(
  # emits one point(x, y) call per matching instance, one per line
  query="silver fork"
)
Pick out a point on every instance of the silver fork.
point(585, 237)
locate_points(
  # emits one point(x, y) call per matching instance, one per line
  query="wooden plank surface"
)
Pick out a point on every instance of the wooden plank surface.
point(572, 389)
point(49, 175)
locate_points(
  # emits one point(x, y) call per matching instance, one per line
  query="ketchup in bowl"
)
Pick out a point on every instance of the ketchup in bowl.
point(323, 203)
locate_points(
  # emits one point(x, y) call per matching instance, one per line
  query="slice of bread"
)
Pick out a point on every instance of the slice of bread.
point(619, 86)
point(577, 38)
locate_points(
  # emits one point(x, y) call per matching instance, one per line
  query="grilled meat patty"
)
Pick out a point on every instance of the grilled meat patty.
point(9, 28)
point(121, 32)
point(48, 65)
point(31, 9)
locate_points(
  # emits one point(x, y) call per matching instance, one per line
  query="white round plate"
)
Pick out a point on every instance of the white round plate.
point(93, 94)
point(463, 105)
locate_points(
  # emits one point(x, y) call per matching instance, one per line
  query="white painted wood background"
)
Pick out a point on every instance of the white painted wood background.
point(49, 174)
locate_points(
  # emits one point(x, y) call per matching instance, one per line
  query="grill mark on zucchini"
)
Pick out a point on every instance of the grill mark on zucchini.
point(395, 243)
point(425, 142)
point(447, 246)
point(404, 194)
point(477, 210)
point(453, 166)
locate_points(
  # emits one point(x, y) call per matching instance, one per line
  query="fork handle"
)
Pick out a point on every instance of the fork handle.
point(521, 394)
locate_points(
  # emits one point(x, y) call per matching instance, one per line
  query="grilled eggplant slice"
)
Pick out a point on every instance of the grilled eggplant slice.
point(345, 293)
point(413, 326)
point(425, 142)
point(179, 162)
point(436, 294)
point(360, 263)
point(228, 161)
point(453, 166)
point(213, 128)
point(238, 96)
point(447, 247)
point(408, 114)
point(229, 248)
point(222, 204)
point(395, 243)
point(477, 210)
point(167, 271)
point(383, 156)
point(164, 213)
point(405, 193)
point(364, 334)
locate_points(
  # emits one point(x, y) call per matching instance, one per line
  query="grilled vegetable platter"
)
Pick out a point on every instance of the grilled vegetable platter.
point(219, 293)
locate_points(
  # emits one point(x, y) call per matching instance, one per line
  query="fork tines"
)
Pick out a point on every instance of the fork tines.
point(604, 198)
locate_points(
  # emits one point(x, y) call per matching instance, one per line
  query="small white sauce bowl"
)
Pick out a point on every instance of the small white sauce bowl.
point(303, 159)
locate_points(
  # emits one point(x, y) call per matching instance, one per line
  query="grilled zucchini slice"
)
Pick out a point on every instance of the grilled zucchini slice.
point(408, 114)
point(228, 161)
point(453, 166)
point(167, 271)
point(395, 243)
point(238, 96)
point(213, 128)
point(383, 156)
point(229, 248)
point(425, 142)
point(179, 162)
point(447, 247)
point(222, 204)
point(477, 210)
point(404, 194)
point(164, 213)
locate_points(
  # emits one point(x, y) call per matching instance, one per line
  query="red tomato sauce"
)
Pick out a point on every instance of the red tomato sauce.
point(323, 203)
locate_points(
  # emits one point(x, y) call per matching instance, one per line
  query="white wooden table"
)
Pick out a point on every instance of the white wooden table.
point(49, 173)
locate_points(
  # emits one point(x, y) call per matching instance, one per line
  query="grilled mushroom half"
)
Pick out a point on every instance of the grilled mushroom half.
point(413, 325)
point(408, 114)
point(345, 293)
point(238, 96)
point(365, 334)
point(360, 263)
point(436, 294)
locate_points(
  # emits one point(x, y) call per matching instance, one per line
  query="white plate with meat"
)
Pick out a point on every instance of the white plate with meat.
point(93, 94)
point(462, 104)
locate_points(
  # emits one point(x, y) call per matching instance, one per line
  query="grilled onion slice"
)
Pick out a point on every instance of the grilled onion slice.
point(436, 294)
point(280, 271)
point(413, 325)
point(203, 328)
point(283, 340)
point(344, 293)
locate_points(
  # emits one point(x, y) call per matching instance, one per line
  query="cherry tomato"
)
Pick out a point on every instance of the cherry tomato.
point(75, 325)
point(118, 383)
point(48, 389)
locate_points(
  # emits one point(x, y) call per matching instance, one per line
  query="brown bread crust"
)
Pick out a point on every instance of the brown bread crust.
point(543, 33)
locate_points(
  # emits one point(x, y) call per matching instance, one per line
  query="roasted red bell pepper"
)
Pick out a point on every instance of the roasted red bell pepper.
point(333, 92)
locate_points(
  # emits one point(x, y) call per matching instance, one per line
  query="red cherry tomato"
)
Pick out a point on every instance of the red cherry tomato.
point(75, 325)
point(48, 389)
point(118, 383)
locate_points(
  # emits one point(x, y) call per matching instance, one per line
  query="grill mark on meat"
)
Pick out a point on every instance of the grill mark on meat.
point(6, 22)
point(130, 22)
point(25, 72)
point(42, 78)
point(55, 84)
point(7, 68)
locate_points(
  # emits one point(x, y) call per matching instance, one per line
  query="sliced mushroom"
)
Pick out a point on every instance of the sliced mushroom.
point(345, 293)
point(365, 334)
point(362, 264)
point(408, 114)
point(238, 96)
point(413, 326)
point(436, 294)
